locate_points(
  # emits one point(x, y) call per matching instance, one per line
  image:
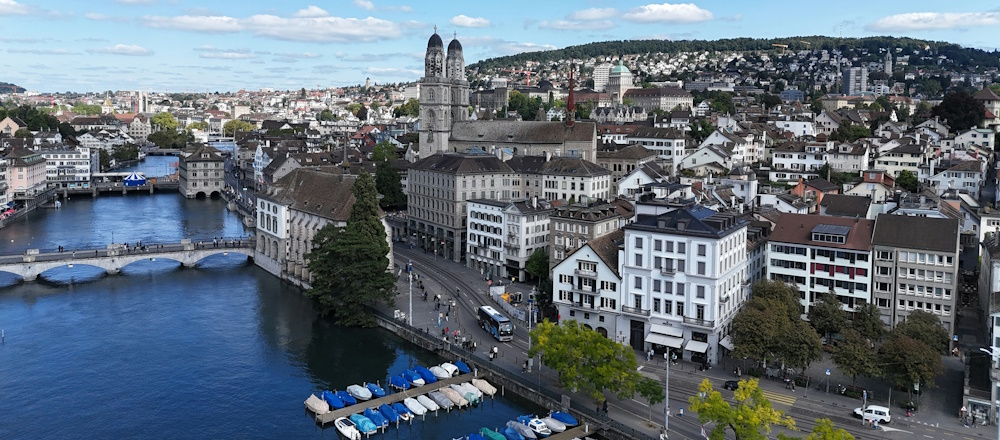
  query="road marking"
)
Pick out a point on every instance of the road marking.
point(925, 435)
point(643, 404)
point(780, 398)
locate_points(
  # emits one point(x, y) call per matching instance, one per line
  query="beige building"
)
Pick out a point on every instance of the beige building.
point(201, 172)
point(576, 225)
point(527, 138)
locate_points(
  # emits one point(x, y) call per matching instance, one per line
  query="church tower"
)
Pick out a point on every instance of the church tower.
point(435, 100)
point(459, 85)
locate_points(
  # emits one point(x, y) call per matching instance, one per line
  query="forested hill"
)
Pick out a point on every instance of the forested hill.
point(958, 54)
point(10, 88)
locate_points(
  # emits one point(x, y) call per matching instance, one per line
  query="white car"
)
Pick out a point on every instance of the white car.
point(873, 412)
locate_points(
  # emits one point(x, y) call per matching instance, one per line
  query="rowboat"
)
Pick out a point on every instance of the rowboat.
point(414, 378)
point(449, 368)
point(399, 382)
point(440, 373)
point(347, 398)
point(464, 369)
point(425, 374)
point(376, 417)
point(376, 390)
point(390, 414)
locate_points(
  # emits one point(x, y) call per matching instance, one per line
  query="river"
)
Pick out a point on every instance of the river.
point(221, 350)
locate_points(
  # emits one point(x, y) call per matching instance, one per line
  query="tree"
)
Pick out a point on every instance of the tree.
point(538, 264)
point(907, 180)
point(800, 347)
point(907, 361)
point(750, 419)
point(200, 125)
point(409, 108)
point(384, 151)
point(171, 139)
point(349, 265)
point(362, 113)
point(23, 133)
point(585, 360)
point(961, 110)
point(234, 125)
point(849, 133)
point(389, 185)
point(769, 100)
point(827, 315)
point(164, 121)
point(327, 115)
point(701, 130)
point(652, 391)
point(824, 430)
point(856, 355)
point(762, 327)
point(868, 323)
point(925, 327)
point(86, 109)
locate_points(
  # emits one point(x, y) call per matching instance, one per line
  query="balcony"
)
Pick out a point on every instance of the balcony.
point(585, 273)
point(584, 289)
point(699, 322)
point(635, 311)
point(582, 306)
point(667, 271)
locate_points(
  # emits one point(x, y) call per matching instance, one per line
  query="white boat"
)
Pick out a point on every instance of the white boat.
point(469, 388)
point(414, 406)
point(454, 396)
point(359, 392)
point(485, 387)
point(317, 405)
point(553, 424)
point(426, 402)
point(347, 428)
point(539, 428)
point(450, 368)
point(522, 429)
point(439, 372)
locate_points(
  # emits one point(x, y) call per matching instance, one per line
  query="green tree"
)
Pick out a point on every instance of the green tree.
point(856, 355)
point(907, 361)
point(801, 346)
point(234, 125)
point(750, 417)
point(105, 159)
point(389, 185)
point(409, 108)
point(849, 133)
point(769, 100)
point(171, 139)
point(538, 264)
point(362, 113)
point(907, 180)
point(652, 391)
point(23, 133)
point(86, 109)
point(384, 151)
point(925, 327)
point(200, 125)
point(327, 115)
point(164, 121)
point(961, 110)
point(762, 327)
point(701, 130)
point(868, 322)
point(353, 108)
point(349, 265)
point(824, 430)
point(827, 315)
point(585, 360)
point(125, 152)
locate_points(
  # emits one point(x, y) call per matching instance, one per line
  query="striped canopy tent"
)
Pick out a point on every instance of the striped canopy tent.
point(134, 179)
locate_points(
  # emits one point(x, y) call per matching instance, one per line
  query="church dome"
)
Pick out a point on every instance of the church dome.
point(454, 46)
point(620, 69)
point(435, 41)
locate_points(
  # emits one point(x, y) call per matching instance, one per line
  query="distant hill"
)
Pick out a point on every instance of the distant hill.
point(10, 88)
point(962, 56)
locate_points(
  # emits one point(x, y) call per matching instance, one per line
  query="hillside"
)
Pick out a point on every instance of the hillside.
point(10, 88)
point(963, 56)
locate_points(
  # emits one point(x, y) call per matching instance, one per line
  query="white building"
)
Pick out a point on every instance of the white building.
point(965, 176)
point(527, 229)
point(669, 144)
point(586, 287)
point(485, 241)
point(797, 128)
point(684, 270)
point(69, 167)
point(792, 161)
point(848, 158)
point(601, 74)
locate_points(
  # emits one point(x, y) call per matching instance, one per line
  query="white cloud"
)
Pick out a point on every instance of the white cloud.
point(576, 25)
point(96, 16)
point(136, 2)
point(393, 72)
point(364, 4)
point(43, 51)
point(594, 14)
point(668, 13)
point(466, 21)
point(312, 12)
point(497, 46)
point(123, 49)
point(313, 29)
point(208, 51)
point(406, 8)
point(11, 7)
point(934, 20)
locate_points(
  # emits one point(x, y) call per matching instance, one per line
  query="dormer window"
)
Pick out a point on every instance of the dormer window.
point(830, 234)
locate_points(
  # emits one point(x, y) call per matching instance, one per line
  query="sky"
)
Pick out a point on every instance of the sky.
point(226, 45)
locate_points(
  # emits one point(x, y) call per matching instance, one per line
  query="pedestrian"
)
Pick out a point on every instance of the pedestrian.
point(648, 354)
point(446, 316)
point(605, 407)
point(875, 423)
point(665, 356)
point(446, 330)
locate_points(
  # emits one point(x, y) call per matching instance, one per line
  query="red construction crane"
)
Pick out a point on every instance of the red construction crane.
point(526, 72)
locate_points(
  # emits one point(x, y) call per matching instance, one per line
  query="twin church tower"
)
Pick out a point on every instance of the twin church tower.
point(444, 94)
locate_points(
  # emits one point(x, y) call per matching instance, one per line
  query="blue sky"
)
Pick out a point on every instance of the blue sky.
point(225, 45)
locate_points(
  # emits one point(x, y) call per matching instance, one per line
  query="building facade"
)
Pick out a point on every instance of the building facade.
point(444, 94)
point(201, 173)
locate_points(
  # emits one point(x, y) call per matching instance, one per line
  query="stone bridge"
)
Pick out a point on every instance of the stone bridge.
point(32, 263)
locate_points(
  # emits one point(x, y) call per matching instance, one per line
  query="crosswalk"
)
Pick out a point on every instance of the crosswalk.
point(779, 398)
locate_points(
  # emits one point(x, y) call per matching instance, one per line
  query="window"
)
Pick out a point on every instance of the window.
point(637, 282)
point(680, 247)
point(701, 250)
point(680, 308)
point(657, 245)
point(668, 307)
point(669, 246)
point(638, 260)
point(701, 268)
point(638, 242)
point(656, 305)
point(656, 285)
point(699, 312)
point(680, 289)
point(701, 292)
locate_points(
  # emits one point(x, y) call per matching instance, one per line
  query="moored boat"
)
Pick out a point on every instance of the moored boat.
point(376, 417)
point(404, 413)
point(450, 368)
point(414, 378)
point(414, 406)
point(347, 428)
point(454, 396)
point(469, 388)
point(565, 418)
point(469, 397)
point(485, 387)
point(491, 434)
point(512, 434)
point(522, 429)
point(429, 403)
point(535, 425)
point(390, 414)
point(333, 400)
point(476, 437)
point(442, 400)
point(359, 392)
point(425, 374)
point(462, 367)
point(347, 398)
point(317, 405)
point(364, 424)
point(553, 424)
point(376, 390)
point(439, 372)
point(399, 382)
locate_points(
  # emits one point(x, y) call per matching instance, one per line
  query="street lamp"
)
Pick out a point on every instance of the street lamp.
point(994, 352)
point(409, 275)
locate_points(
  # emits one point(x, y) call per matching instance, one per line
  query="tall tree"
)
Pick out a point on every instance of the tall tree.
point(362, 113)
point(824, 430)
point(961, 110)
point(907, 361)
point(907, 180)
point(827, 315)
point(350, 265)
point(384, 151)
point(585, 360)
point(538, 264)
point(327, 115)
point(867, 322)
point(389, 185)
point(925, 327)
point(801, 346)
point(409, 108)
point(164, 121)
point(750, 417)
point(232, 126)
point(856, 355)
point(652, 391)
point(199, 125)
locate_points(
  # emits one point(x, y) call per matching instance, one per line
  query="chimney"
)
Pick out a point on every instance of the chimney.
point(548, 156)
point(534, 202)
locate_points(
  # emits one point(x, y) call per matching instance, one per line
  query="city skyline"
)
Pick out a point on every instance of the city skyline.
point(182, 46)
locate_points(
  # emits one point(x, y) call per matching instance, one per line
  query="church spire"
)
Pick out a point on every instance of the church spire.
point(570, 105)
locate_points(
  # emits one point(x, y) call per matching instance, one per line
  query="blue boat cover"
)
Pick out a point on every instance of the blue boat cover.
point(333, 400)
point(476, 437)
point(364, 424)
point(390, 414)
point(425, 374)
point(399, 382)
point(401, 409)
point(566, 418)
point(411, 375)
point(462, 367)
point(347, 398)
point(511, 434)
point(376, 390)
point(376, 417)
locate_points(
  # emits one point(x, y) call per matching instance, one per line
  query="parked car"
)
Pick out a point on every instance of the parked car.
point(873, 412)
point(731, 385)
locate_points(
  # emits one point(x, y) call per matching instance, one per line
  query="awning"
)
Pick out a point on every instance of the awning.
point(696, 346)
point(667, 330)
point(656, 338)
point(726, 342)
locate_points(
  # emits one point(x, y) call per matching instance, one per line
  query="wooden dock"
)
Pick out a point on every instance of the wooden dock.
point(329, 417)
point(570, 434)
